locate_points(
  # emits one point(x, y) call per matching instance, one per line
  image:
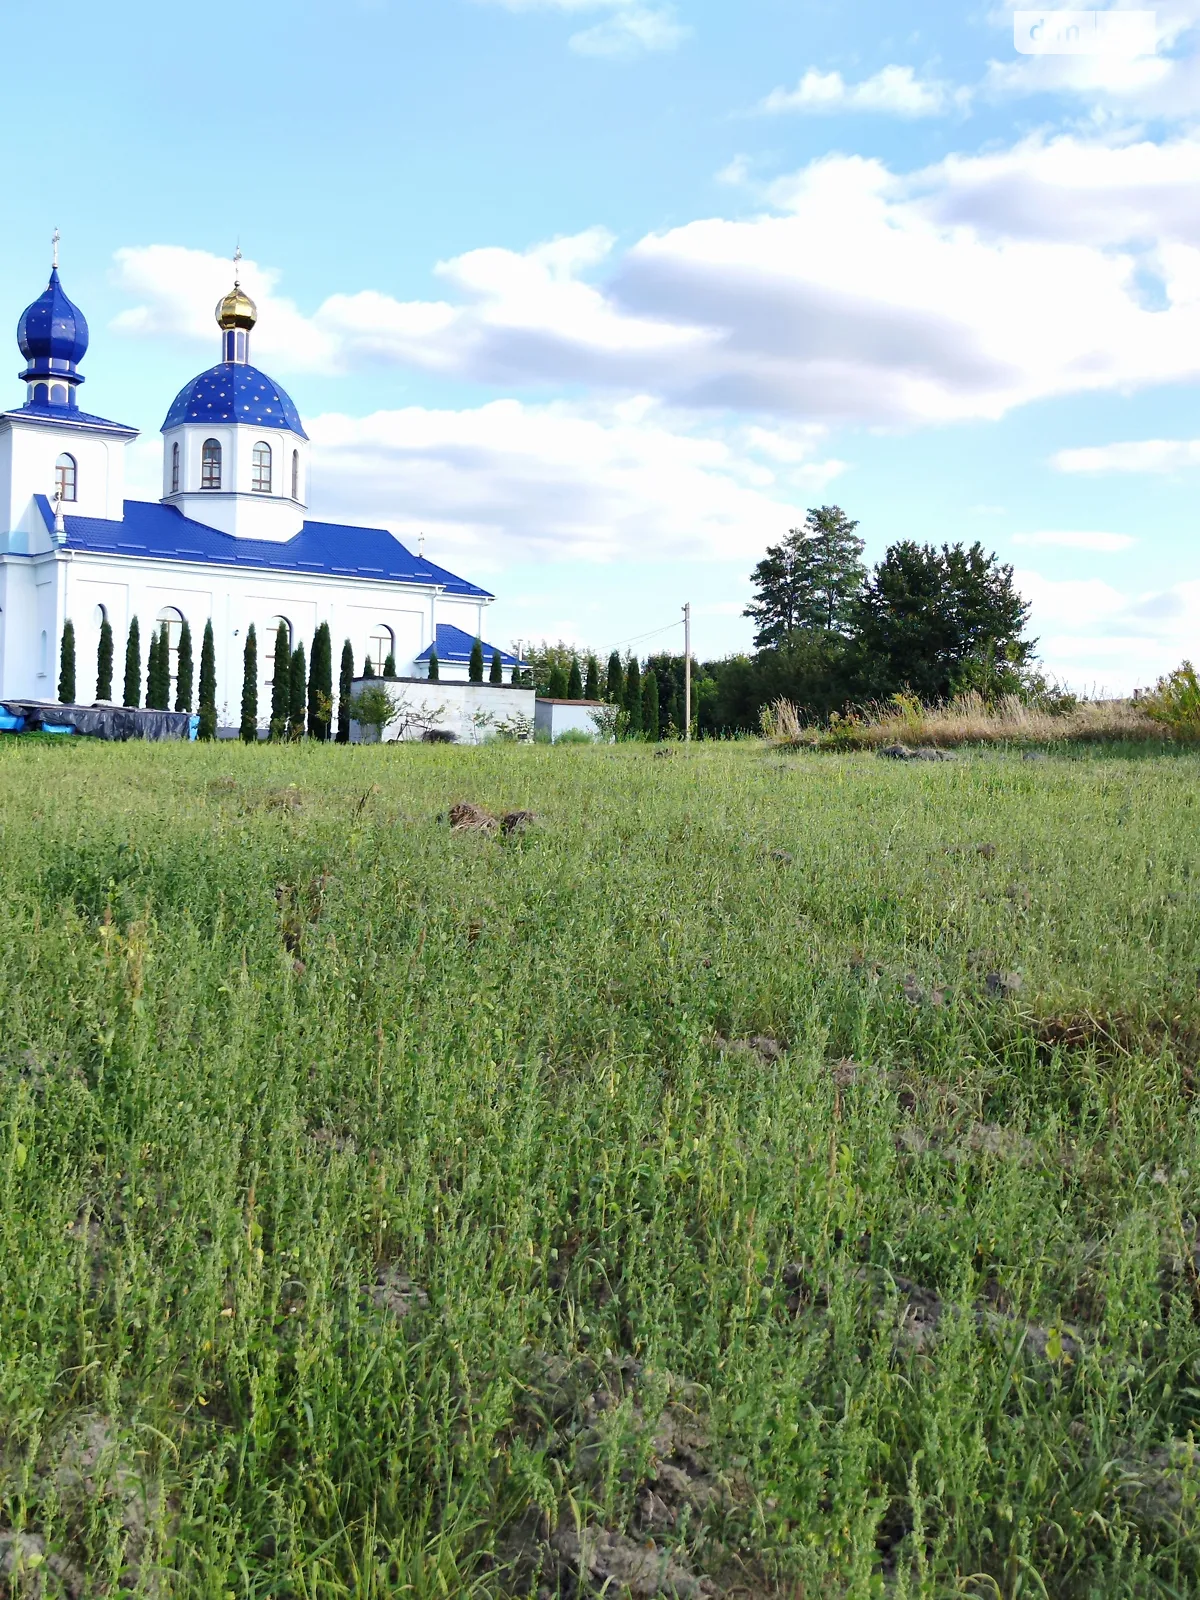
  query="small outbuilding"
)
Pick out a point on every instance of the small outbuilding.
point(556, 717)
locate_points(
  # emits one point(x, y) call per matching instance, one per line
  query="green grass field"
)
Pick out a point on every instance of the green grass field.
point(761, 1175)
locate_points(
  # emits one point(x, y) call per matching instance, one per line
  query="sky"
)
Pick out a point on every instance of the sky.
point(601, 295)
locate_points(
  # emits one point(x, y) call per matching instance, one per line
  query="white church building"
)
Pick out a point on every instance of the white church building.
point(229, 540)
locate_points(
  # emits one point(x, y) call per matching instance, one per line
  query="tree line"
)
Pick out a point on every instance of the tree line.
point(830, 634)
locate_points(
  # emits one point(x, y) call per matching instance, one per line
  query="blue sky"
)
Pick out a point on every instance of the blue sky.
point(600, 295)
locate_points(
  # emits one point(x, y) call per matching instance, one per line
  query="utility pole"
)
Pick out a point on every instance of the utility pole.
point(687, 671)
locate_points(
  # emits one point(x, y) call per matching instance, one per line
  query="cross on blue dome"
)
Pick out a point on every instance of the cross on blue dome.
point(53, 336)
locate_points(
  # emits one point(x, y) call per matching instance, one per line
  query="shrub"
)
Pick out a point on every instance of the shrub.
point(1174, 703)
point(575, 736)
point(475, 665)
point(497, 673)
point(433, 665)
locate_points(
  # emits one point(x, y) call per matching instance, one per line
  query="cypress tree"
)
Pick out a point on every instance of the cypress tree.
point(575, 681)
point(281, 682)
point(556, 688)
point(208, 684)
point(496, 675)
point(389, 666)
point(650, 704)
point(183, 671)
point(104, 662)
point(162, 672)
point(152, 674)
point(133, 666)
point(475, 665)
point(368, 670)
point(614, 687)
point(66, 665)
point(299, 694)
point(248, 729)
point(633, 696)
point(345, 679)
point(320, 683)
point(591, 689)
point(433, 665)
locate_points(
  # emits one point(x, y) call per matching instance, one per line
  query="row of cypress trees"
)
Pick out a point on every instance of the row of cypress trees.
point(636, 694)
point(301, 688)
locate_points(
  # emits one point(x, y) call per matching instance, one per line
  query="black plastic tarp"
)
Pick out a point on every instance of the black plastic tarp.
point(102, 722)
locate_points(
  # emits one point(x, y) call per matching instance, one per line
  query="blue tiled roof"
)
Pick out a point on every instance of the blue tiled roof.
point(334, 549)
point(454, 646)
point(46, 413)
point(233, 391)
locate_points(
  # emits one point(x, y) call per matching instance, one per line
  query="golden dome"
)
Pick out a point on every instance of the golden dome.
point(236, 310)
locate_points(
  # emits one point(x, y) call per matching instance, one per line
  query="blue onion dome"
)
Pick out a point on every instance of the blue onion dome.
point(52, 333)
point(234, 391)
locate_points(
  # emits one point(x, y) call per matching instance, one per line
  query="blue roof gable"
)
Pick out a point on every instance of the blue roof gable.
point(332, 549)
point(454, 647)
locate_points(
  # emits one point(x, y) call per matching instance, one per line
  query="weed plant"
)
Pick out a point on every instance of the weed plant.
point(851, 1100)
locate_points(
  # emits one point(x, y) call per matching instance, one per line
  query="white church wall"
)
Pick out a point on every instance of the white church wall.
point(237, 508)
point(29, 453)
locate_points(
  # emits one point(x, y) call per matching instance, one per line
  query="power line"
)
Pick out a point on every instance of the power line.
point(666, 628)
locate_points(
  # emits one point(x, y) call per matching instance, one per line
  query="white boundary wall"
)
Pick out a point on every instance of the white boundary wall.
point(470, 711)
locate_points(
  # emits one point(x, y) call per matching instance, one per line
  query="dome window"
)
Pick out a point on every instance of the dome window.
point(64, 477)
point(58, 394)
point(210, 465)
point(41, 394)
point(260, 467)
point(175, 467)
point(295, 474)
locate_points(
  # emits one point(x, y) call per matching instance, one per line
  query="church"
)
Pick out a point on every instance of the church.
point(228, 541)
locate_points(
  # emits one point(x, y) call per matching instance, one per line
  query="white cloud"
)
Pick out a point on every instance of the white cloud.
point(961, 290)
point(1135, 455)
point(1098, 638)
point(1071, 539)
point(1166, 84)
point(629, 27)
point(508, 481)
point(894, 90)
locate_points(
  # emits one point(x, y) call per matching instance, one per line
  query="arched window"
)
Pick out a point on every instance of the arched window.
point(172, 620)
point(100, 617)
point(260, 468)
point(41, 394)
point(383, 645)
point(210, 465)
point(175, 467)
point(64, 477)
point(58, 394)
point(295, 474)
point(43, 655)
point(270, 635)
